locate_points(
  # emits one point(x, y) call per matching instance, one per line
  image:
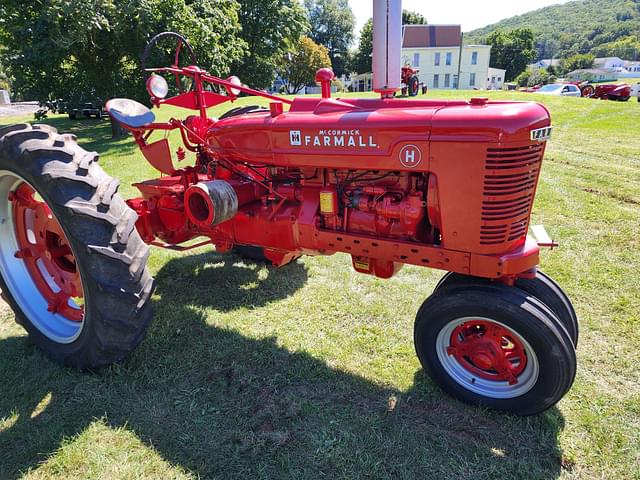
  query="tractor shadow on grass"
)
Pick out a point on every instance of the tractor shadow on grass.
point(223, 405)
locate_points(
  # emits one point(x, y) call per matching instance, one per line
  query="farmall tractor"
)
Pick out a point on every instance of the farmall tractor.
point(410, 80)
point(440, 184)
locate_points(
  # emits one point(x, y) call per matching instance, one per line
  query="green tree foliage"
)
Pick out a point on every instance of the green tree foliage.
point(577, 62)
point(4, 77)
point(413, 18)
point(361, 61)
point(576, 27)
point(627, 48)
point(270, 28)
point(332, 23)
point(298, 68)
point(71, 48)
point(536, 76)
point(512, 51)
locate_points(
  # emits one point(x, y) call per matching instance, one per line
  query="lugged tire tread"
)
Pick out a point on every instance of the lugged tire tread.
point(128, 286)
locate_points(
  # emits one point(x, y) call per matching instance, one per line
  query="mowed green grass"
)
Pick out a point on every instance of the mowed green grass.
point(253, 372)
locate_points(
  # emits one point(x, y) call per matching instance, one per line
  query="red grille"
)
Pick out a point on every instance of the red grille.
point(511, 175)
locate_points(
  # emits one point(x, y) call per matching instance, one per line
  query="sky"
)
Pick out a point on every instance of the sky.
point(471, 14)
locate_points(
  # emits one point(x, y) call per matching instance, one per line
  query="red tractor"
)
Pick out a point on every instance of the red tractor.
point(441, 184)
point(410, 80)
point(612, 91)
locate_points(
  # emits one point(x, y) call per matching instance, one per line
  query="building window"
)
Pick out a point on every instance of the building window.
point(472, 79)
point(447, 80)
point(474, 58)
point(436, 81)
point(499, 79)
point(455, 81)
point(448, 59)
point(437, 59)
point(416, 59)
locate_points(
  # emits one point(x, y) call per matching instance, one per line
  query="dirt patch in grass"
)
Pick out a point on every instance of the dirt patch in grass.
point(615, 196)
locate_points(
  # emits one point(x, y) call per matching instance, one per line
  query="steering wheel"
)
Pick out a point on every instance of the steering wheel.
point(181, 41)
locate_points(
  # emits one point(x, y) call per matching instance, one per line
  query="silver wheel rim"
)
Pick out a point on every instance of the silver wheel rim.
point(18, 279)
point(482, 386)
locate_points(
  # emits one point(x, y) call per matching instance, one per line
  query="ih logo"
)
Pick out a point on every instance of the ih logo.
point(410, 156)
point(295, 138)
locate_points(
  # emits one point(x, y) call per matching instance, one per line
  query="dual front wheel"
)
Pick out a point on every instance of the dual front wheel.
point(498, 346)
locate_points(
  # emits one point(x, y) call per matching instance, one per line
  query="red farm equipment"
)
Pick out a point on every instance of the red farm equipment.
point(411, 81)
point(441, 184)
point(604, 91)
point(612, 91)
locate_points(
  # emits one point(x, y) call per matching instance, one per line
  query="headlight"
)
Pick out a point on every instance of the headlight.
point(157, 86)
point(235, 81)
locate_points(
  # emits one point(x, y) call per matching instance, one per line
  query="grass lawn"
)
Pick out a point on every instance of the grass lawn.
point(254, 372)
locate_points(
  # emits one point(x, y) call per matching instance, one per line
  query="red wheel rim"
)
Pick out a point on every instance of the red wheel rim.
point(488, 350)
point(46, 253)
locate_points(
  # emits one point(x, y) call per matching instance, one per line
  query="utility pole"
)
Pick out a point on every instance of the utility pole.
point(460, 60)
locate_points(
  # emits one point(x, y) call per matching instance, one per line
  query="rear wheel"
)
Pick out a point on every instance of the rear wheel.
point(72, 265)
point(543, 287)
point(587, 91)
point(496, 347)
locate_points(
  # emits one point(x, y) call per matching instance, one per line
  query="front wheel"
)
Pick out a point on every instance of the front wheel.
point(72, 265)
point(542, 287)
point(496, 347)
point(413, 86)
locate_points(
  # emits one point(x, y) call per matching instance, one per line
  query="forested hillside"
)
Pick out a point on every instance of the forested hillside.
point(601, 27)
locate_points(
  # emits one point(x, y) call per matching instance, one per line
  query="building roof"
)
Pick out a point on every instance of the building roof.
point(426, 36)
point(604, 59)
point(593, 71)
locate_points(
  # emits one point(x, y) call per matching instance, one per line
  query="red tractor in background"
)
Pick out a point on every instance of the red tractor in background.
point(602, 91)
point(411, 82)
point(440, 184)
point(611, 91)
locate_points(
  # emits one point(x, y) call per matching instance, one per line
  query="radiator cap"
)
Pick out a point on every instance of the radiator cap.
point(479, 101)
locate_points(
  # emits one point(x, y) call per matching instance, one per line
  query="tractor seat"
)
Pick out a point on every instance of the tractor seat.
point(130, 113)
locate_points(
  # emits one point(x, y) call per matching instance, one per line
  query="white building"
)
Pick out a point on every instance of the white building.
point(609, 63)
point(436, 51)
point(545, 63)
point(495, 78)
point(592, 75)
point(633, 67)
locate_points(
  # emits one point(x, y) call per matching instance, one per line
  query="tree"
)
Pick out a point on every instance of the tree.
point(270, 28)
point(361, 60)
point(577, 62)
point(332, 23)
point(298, 68)
point(73, 48)
point(512, 51)
point(627, 48)
point(413, 18)
point(537, 76)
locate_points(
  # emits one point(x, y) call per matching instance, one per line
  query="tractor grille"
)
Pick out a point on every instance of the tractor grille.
point(511, 175)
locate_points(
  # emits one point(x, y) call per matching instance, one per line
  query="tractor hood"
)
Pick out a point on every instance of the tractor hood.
point(369, 133)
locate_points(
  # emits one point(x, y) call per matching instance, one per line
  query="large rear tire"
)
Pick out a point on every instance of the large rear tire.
point(495, 346)
point(62, 223)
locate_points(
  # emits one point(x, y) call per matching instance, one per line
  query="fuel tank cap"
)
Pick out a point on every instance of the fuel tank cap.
point(479, 101)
